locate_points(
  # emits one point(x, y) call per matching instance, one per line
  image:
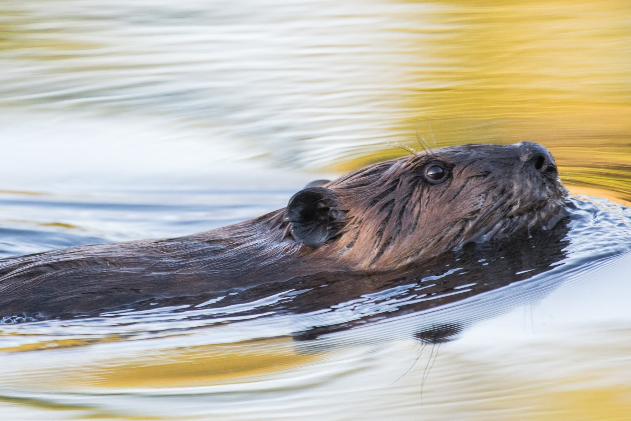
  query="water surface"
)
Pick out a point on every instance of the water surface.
point(157, 119)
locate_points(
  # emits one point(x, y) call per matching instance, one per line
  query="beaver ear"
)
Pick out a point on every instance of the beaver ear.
point(313, 214)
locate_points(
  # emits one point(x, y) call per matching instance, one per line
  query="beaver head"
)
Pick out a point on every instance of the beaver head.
point(400, 211)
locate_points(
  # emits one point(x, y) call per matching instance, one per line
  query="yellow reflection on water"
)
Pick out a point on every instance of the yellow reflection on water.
point(532, 59)
point(605, 403)
point(20, 35)
point(198, 365)
point(41, 409)
point(555, 72)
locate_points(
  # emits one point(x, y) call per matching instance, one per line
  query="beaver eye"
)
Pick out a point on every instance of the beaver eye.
point(435, 173)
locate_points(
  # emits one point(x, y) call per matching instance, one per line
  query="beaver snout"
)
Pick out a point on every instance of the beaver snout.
point(537, 157)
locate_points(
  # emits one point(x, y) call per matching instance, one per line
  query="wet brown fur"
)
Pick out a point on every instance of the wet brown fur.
point(394, 216)
point(391, 216)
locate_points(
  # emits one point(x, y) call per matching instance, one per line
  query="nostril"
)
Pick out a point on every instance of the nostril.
point(543, 164)
point(533, 155)
point(540, 161)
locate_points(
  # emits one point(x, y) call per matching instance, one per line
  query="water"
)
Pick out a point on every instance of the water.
point(155, 119)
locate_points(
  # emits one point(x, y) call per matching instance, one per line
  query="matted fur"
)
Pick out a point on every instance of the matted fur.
point(391, 216)
point(394, 216)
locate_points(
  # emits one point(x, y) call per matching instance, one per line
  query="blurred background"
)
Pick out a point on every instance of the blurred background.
point(158, 92)
point(135, 119)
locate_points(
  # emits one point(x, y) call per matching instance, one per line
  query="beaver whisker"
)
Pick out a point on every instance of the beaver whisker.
point(402, 146)
point(423, 144)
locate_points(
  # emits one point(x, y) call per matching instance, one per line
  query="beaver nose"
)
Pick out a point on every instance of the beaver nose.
point(538, 157)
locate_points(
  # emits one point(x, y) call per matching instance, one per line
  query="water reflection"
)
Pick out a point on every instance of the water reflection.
point(119, 116)
point(420, 288)
point(229, 80)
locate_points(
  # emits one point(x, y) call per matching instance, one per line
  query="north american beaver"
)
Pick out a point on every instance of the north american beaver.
point(382, 217)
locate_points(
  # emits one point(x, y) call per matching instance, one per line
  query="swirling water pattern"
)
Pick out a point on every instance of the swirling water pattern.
point(155, 119)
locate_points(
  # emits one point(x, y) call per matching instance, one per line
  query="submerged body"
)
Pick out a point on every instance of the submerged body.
point(379, 218)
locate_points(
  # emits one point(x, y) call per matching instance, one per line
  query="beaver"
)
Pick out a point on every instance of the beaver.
point(381, 217)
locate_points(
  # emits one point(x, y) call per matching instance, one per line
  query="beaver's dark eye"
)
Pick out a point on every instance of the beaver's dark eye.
point(435, 173)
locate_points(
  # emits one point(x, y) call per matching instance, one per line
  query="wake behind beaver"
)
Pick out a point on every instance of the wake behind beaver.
point(379, 218)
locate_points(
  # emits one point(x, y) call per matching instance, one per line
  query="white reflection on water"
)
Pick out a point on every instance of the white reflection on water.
point(541, 363)
point(199, 78)
point(149, 119)
point(515, 348)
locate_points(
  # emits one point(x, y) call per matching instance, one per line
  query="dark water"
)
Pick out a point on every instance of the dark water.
point(145, 120)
